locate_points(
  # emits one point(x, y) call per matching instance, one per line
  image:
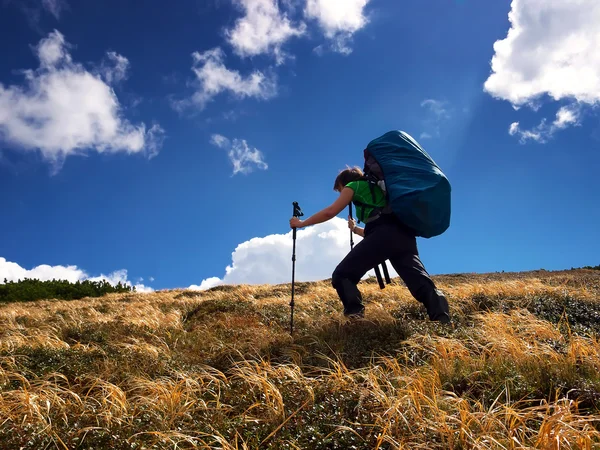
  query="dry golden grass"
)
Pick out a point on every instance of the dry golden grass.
point(519, 368)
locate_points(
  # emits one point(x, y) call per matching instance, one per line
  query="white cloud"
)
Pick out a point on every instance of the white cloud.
point(339, 20)
point(12, 271)
point(33, 10)
point(153, 140)
point(514, 128)
point(551, 49)
point(319, 50)
point(206, 284)
point(55, 7)
point(263, 29)
point(243, 157)
point(342, 44)
point(213, 78)
point(438, 114)
point(268, 260)
point(53, 50)
point(566, 116)
point(64, 109)
point(437, 107)
point(116, 69)
point(219, 140)
point(120, 276)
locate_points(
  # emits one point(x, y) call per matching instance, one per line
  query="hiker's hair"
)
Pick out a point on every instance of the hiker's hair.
point(346, 176)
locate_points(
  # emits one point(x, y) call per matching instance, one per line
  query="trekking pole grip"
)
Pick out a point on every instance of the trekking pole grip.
point(296, 213)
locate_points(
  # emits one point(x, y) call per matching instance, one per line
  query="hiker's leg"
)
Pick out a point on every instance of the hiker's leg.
point(363, 257)
point(421, 286)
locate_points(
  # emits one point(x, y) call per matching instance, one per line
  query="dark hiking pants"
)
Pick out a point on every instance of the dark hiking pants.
point(383, 241)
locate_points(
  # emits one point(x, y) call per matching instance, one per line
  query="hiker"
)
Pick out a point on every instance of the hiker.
point(384, 238)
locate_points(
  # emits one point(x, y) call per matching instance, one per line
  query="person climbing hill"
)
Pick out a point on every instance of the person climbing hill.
point(385, 237)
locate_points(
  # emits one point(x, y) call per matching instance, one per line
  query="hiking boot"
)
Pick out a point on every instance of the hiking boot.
point(350, 297)
point(355, 316)
point(441, 311)
point(436, 305)
point(445, 319)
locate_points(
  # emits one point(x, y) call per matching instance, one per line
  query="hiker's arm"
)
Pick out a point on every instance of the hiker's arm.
point(327, 213)
point(356, 230)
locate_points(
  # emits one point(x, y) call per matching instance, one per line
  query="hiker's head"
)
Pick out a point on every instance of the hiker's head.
point(346, 176)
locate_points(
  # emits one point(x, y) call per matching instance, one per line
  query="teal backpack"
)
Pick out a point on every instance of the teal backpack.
point(416, 189)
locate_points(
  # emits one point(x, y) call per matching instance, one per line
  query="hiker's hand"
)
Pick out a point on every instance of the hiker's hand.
point(351, 223)
point(296, 223)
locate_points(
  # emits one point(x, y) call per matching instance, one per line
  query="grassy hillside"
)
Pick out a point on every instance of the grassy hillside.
point(519, 369)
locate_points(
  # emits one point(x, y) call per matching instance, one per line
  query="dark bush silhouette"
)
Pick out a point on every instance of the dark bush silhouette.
point(34, 289)
point(587, 267)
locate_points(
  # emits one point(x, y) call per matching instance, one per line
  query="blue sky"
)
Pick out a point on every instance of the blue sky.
point(164, 146)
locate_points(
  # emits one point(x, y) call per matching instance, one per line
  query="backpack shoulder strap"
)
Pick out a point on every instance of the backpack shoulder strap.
point(377, 210)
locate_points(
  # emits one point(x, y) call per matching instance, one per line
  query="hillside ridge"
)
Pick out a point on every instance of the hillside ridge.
point(519, 368)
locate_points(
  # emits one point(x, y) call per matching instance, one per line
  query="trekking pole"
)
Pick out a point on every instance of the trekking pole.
point(297, 213)
point(386, 274)
point(379, 279)
point(351, 231)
